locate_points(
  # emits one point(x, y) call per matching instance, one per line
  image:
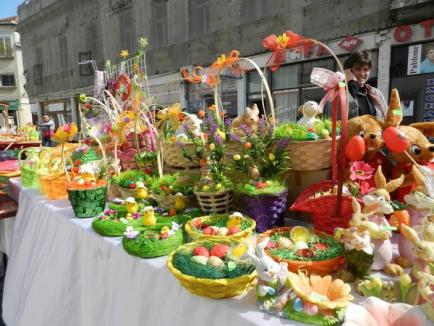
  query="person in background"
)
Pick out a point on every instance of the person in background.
point(427, 65)
point(364, 98)
point(47, 130)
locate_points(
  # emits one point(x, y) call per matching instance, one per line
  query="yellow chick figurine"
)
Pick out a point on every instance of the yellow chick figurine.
point(235, 219)
point(131, 205)
point(141, 191)
point(149, 218)
point(179, 202)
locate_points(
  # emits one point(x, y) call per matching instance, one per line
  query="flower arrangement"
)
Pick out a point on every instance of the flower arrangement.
point(261, 159)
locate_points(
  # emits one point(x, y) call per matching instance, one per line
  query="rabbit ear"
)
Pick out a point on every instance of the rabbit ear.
point(255, 109)
point(380, 179)
point(409, 233)
point(300, 109)
point(356, 206)
point(392, 185)
point(260, 247)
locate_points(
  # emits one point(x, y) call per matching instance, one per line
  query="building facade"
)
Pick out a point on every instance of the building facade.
point(14, 102)
point(57, 34)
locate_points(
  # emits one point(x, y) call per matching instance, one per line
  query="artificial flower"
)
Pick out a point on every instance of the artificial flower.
point(82, 98)
point(130, 233)
point(124, 54)
point(321, 291)
point(143, 42)
point(361, 171)
point(226, 61)
point(376, 312)
point(65, 133)
point(365, 187)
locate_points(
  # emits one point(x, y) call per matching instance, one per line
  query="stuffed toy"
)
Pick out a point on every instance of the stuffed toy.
point(191, 124)
point(250, 118)
point(309, 110)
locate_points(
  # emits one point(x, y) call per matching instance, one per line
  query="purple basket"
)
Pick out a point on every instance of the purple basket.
point(266, 210)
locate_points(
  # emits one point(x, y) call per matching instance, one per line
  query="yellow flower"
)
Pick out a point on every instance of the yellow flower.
point(321, 291)
point(124, 54)
point(271, 156)
point(283, 40)
point(212, 146)
point(221, 60)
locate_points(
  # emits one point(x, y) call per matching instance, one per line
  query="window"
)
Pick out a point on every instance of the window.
point(6, 49)
point(63, 50)
point(128, 38)
point(159, 14)
point(200, 17)
point(7, 80)
point(93, 41)
point(252, 10)
point(85, 70)
point(37, 74)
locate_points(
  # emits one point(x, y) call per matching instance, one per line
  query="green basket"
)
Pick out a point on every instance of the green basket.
point(87, 156)
point(32, 166)
point(88, 202)
point(113, 228)
point(145, 247)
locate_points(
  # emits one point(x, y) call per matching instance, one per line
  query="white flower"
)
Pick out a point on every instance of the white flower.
point(175, 227)
point(130, 233)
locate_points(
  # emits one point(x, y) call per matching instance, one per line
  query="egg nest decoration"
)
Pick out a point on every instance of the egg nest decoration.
point(269, 187)
point(291, 130)
point(216, 226)
point(129, 178)
point(152, 242)
point(169, 185)
point(320, 254)
point(182, 260)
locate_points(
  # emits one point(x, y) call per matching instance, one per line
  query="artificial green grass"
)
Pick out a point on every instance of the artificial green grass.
point(274, 189)
point(307, 319)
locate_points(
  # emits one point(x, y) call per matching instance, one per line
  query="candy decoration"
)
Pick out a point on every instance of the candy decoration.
point(355, 149)
point(395, 140)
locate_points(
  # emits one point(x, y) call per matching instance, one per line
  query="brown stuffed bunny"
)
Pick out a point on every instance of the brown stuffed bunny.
point(250, 118)
point(420, 150)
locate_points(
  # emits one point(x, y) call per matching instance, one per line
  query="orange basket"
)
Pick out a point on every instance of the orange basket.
point(53, 185)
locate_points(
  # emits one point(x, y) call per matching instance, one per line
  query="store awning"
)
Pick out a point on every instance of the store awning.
point(12, 105)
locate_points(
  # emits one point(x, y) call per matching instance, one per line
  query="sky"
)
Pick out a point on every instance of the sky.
point(8, 8)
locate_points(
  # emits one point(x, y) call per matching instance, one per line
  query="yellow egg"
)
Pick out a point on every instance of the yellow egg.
point(215, 261)
point(299, 233)
point(284, 242)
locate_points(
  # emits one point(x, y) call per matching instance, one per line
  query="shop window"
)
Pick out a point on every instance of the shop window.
point(200, 17)
point(286, 77)
point(6, 49)
point(7, 80)
point(85, 70)
point(252, 10)
point(159, 23)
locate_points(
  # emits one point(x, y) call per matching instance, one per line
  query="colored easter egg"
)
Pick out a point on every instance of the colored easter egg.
point(200, 251)
point(395, 140)
point(200, 259)
point(298, 304)
point(356, 148)
point(215, 261)
point(220, 250)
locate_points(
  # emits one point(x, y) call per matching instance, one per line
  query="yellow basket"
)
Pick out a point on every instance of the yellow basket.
point(53, 185)
point(212, 220)
point(212, 288)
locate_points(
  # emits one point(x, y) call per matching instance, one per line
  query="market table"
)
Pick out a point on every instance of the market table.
point(60, 272)
point(18, 144)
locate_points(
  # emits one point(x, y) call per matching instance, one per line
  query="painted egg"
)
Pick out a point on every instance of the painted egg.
point(284, 242)
point(200, 259)
point(310, 309)
point(209, 231)
point(301, 245)
point(200, 251)
point(298, 304)
point(223, 231)
point(197, 223)
point(270, 245)
point(234, 230)
point(215, 261)
point(356, 148)
point(395, 140)
point(219, 250)
point(311, 136)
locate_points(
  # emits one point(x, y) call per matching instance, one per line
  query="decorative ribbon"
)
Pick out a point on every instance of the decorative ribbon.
point(198, 76)
point(328, 81)
point(223, 61)
point(279, 44)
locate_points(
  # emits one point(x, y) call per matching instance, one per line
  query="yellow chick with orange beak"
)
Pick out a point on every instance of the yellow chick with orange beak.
point(149, 218)
point(180, 202)
point(141, 191)
point(131, 205)
point(235, 219)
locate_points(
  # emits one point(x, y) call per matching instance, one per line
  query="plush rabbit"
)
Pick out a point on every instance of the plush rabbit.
point(271, 291)
point(422, 249)
point(250, 118)
point(425, 287)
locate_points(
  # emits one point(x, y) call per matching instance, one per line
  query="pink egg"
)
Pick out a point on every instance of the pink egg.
point(200, 251)
point(219, 250)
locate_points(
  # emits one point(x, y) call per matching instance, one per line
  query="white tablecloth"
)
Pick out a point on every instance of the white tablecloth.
point(60, 272)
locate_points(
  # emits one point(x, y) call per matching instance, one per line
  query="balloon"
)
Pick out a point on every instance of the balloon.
point(355, 149)
point(395, 140)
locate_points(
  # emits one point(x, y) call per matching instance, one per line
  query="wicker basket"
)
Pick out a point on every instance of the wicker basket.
point(167, 202)
point(88, 202)
point(324, 208)
point(212, 220)
point(173, 156)
point(54, 184)
point(321, 267)
point(213, 288)
point(148, 248)
point(29, 168)
point(310, 155)
point(215, 202)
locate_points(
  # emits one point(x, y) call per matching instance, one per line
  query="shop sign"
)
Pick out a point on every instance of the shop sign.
point(414, 56)
point(55, 107)
point(350, 43)
point(404, 33)
point(429, 100)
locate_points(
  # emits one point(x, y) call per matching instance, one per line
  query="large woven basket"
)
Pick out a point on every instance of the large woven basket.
point(194, 235)
point(31, 165)
point(319, 267)
point(213, 288)
point(310, 155)
point(325, 217)
point(150, 247)
point(215, 202)
point(54, 184)
point(88, 202)
point(173, 155)
point(167, 202)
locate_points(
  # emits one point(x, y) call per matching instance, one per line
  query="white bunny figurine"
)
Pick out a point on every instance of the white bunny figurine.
point(191, 124)
point(425, 286)
point(422, 249)
point(271, 291)
point(310, 110)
